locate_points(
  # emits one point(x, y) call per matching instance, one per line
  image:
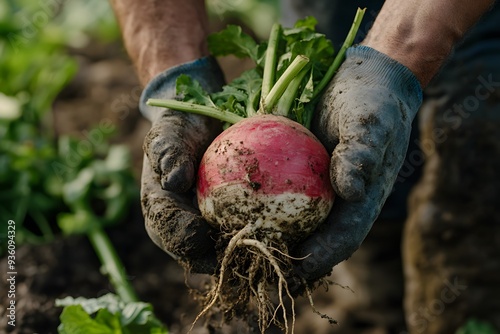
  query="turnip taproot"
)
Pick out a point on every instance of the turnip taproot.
point(264, 182)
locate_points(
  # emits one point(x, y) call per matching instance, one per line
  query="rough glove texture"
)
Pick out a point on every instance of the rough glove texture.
point(174, 225)
point(365, 119)
point(173, 148)
point(177, 140)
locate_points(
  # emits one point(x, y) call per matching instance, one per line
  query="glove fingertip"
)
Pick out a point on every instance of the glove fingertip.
point(347, 182)
point(350, 189)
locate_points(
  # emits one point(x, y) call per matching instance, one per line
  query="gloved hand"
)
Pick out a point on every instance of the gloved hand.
point(173, 148)
point(364, 118)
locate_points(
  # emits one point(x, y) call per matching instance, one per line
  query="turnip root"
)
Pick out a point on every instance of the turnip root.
point(264, 182)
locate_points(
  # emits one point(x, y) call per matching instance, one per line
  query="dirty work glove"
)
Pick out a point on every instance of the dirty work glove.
point(173, 148)
point(364, 118)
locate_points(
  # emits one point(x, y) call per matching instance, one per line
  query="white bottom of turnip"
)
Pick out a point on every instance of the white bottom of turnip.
point(288, 215)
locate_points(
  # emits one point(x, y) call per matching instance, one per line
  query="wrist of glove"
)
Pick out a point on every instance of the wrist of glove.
point(173, 148)
point(364, 119)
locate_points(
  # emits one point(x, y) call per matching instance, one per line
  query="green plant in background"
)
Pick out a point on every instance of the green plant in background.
point(474, 326)
point(98, 194)
point(50, 185)
point(258, 15)
point(33, 70)
point(35, 169)
point(112, 316)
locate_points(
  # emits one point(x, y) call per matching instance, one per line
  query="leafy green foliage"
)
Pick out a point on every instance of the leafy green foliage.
point(292, 70)
point(81, 183)
point(100, 193)
point(258, 15)
point(303, 39)
point(233, 41)
point(302, 108)
point(33, 72)
point(474, 326)
point(192, 91)
point(38, 172)
point(107, 314)
point(242, 95)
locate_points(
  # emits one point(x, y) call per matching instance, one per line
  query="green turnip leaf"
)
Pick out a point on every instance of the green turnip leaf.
point(107, 314)
point(233, 41)
point(74, 320)
point(191, 91)
point(241, 96)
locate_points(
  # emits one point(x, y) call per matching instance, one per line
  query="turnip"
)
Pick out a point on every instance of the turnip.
point(269, 169)
point(264, 182)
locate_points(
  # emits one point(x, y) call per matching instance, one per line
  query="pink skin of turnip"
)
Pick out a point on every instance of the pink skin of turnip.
point(266, 168)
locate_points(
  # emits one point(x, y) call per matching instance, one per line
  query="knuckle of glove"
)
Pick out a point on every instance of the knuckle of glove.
point(170, 158)
point(174, 145)
point(363, 128)
point(352, 168)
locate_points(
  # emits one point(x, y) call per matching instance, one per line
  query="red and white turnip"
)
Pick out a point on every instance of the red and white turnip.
point(265, 182)
point(270, 169)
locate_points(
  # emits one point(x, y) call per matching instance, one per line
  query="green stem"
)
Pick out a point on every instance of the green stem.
point(268, 103)
point(42, 224)
point(25, 193)
point(31, 238)
point(339, 58)
point(112, 264)
point(219, 114)
point(286, 101)
point(253, 102)
point(307, 119)
point(270, 61)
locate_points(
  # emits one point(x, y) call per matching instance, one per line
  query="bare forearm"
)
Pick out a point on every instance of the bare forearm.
point(159, 34)
point(421, 34)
